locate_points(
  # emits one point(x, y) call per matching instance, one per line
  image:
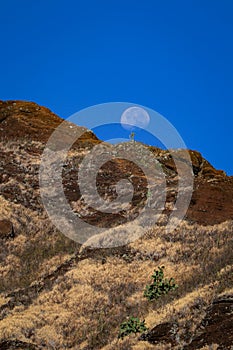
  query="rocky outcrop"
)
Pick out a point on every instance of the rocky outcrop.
point(6, 229)
point(28, 120)
point(162, 333)
point(30, 125)
point(201, 167)
point(216, 327)
point(17, 344)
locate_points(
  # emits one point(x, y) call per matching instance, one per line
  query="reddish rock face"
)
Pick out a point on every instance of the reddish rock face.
point(28, 121)
point(29, 126)
point(212, 200)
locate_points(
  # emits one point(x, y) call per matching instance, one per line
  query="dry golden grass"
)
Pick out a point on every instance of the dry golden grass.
point(85, 306)
point(37, 249)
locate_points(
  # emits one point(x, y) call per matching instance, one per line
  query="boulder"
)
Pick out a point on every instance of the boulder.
point(163, 333)
point(6, 229)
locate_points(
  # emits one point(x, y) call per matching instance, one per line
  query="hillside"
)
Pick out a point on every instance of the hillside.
point(56, 294)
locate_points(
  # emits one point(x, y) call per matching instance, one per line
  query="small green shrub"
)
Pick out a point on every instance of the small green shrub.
point(133, 325)
point(160, 285)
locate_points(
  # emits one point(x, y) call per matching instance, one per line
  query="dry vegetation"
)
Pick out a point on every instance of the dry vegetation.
point(83, 307)
point(58, 295)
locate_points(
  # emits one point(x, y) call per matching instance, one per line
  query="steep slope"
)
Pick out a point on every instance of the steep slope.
point(29, 121)
point(27, 126)
point(56, 296)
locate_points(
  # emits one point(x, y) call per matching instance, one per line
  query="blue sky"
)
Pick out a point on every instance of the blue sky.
point(175, 57)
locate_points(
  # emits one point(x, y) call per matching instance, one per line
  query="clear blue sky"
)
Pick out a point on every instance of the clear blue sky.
point(175, 57)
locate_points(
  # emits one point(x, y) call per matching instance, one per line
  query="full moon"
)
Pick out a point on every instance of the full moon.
point(134, 117)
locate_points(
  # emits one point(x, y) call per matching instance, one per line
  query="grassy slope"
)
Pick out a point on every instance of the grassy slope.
point(59, 297)
point(84, 306)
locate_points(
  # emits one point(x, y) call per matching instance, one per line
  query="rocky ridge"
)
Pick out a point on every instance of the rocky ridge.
point(25, 128)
